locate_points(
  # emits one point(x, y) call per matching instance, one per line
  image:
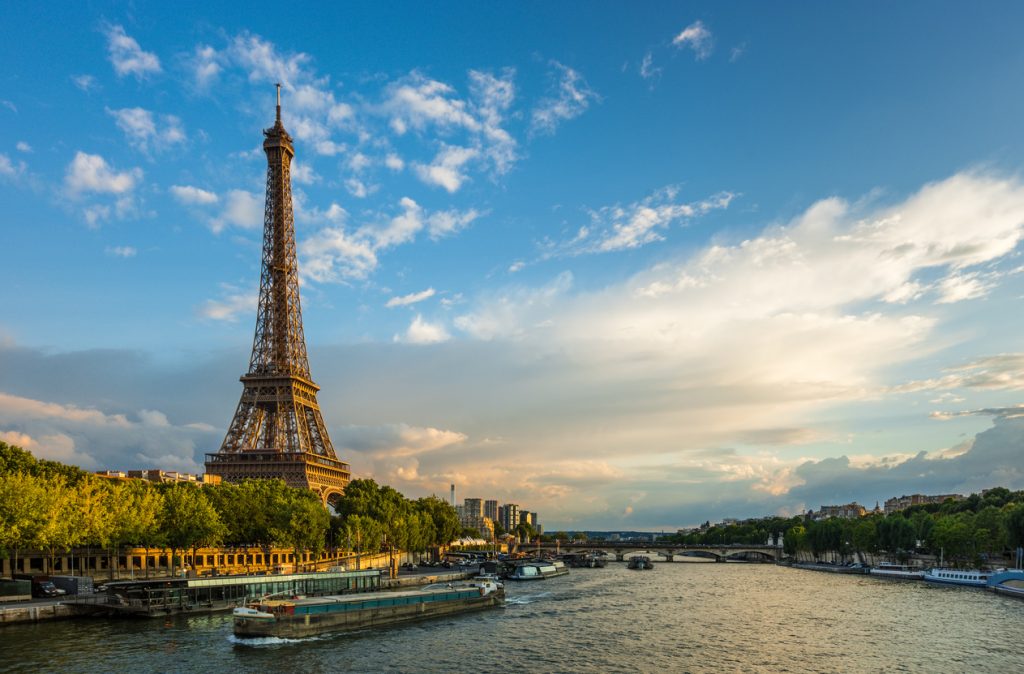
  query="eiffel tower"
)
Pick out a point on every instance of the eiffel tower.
point(277, 430)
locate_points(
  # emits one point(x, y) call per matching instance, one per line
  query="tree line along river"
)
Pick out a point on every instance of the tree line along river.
point(680, 617)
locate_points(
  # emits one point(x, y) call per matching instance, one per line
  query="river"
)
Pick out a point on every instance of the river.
point(680, 617)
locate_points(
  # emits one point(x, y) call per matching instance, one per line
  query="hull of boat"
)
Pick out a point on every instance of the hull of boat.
point(366, 615)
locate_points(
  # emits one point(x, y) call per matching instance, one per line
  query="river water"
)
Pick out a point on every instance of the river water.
point(680, 617)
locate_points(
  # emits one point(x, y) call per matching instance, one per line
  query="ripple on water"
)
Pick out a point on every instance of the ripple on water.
point(681, 617)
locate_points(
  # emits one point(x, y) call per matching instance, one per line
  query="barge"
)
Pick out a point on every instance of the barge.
point(309, 617)
point(162, 597)
point(897, 571)
point(537, 570)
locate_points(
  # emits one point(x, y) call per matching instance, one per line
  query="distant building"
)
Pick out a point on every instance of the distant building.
point(491, 509)
point(156, 475)
point(510, 516)
point(897, 504)
point(473, 507)
point(849, 511)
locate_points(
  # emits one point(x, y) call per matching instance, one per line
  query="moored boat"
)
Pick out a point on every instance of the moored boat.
point(640, 562)
point(317, 615)
point(967, 577)
point(897, 571)
point(537, 570)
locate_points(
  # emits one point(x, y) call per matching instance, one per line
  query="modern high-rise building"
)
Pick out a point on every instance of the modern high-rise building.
point(491, 509)
point(510, 516)
point(473, 507)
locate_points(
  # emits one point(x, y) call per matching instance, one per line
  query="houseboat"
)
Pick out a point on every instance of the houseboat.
point(968, 577)
point(313, 616)
point(897, 571)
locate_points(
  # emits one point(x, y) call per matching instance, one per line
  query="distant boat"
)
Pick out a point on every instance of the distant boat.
point(968, 577)
point(898, 571)
point(640, 562)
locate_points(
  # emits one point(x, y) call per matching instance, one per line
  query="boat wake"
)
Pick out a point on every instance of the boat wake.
point(527, 598)
point(261, 642)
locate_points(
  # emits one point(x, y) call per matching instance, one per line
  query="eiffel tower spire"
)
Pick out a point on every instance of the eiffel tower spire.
point(277, 430)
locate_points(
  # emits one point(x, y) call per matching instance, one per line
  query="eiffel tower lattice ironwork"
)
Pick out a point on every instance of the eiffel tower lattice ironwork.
point(277, 430)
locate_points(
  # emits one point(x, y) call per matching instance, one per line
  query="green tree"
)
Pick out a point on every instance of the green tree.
point(990, 529)
point(188, 520)
point(1015, 525)
point(22, 506)
point(307, 524)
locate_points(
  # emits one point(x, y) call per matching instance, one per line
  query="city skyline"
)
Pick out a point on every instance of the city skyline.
point(639, 268)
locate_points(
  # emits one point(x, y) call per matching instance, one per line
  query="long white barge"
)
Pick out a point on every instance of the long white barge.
point(308, 617)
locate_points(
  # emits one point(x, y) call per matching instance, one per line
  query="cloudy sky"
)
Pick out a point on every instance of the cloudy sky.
point(628, 267)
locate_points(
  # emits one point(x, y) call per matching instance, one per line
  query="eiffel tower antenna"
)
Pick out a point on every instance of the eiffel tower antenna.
point(277, 430)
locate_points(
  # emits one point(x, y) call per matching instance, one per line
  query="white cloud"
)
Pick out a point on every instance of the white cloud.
point(394, 162)
point(358, 162)
point(9, 169)
point(143, 132)
point(205, 66)
point(959, 287)
point(445, 223)
point(418, 101)
point(91, 173)
point(412, 298)
point(187, 194)
point(337, 254)
point(421, 331)
point(516, 266)
point(696, 37)
point(241, 209)
point(614, 228)
point(571, 99)
point(647, 69)
point(22, 146)
point(85, 82)
point(95, 214)
point(303, 174)
point(358, 188)
point(232, 305)
point(121, 251)
point(446, 169)
point(127, 56)
point(333, 254)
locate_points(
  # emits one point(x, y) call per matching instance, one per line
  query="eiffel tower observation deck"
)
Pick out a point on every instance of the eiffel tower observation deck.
point(277, 430)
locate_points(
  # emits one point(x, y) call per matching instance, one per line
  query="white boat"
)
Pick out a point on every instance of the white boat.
point(898, 571)
point(640, 563)
point(968, 577)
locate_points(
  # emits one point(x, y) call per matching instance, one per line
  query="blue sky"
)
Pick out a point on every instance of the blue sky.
point(629, 267)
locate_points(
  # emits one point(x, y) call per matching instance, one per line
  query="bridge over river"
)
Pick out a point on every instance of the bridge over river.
point(623, 550)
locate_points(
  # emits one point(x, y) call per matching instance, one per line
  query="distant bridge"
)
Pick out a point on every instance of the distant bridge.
point(623, 550)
